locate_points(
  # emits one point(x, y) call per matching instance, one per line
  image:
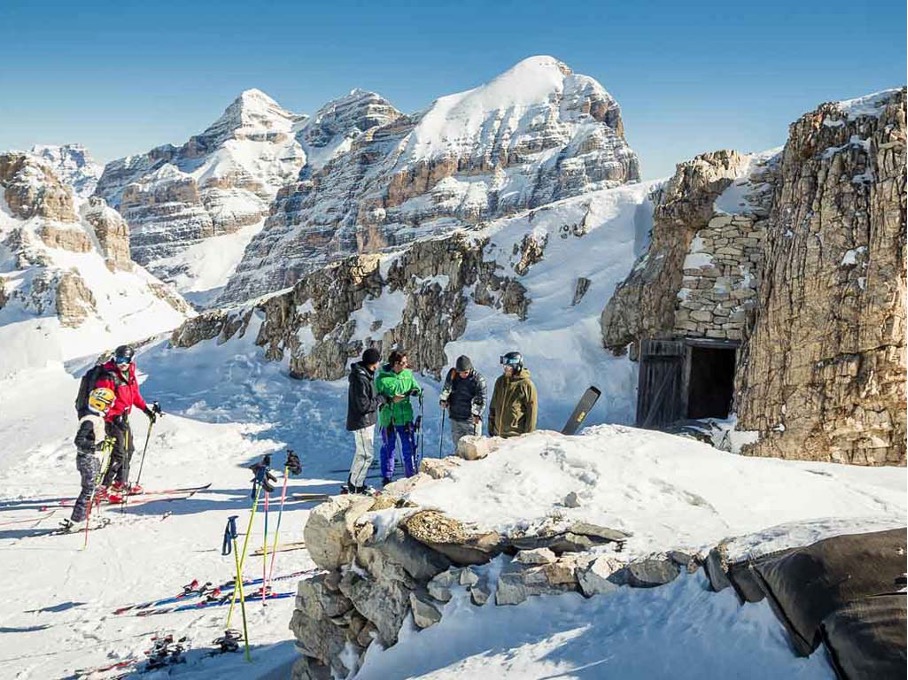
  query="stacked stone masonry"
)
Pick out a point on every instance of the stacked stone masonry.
point(716, 295)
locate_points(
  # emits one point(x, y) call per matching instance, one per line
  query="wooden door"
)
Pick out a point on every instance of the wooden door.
point(659, 389)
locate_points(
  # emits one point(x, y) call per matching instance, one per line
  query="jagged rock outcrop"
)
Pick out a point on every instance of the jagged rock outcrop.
point(536, 134)
point(214, 184)
point(323, 321)
point(111, 231)
point(47, 288)
point(74, 301)
point(823, 371)
point(647, 304)
point(32, 189)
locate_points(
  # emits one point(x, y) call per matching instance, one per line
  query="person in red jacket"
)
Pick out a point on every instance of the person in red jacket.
point(119, 375)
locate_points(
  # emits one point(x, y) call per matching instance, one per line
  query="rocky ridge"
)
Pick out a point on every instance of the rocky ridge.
point(536, 134)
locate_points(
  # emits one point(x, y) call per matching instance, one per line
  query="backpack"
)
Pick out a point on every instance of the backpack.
point(86, 385)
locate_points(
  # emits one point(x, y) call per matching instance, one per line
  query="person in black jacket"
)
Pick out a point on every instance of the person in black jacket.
point(464, 395)
point(362, 406)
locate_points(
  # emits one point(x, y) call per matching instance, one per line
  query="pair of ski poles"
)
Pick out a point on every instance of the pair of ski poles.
point(261, 482)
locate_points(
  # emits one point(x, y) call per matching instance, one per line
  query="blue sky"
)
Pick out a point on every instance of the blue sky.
point(122, 77)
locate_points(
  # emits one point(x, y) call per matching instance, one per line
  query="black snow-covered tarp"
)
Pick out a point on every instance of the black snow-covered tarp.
point(807, 585)
point(865, 640)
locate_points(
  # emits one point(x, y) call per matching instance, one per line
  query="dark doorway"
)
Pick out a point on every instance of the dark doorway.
point(711, 383)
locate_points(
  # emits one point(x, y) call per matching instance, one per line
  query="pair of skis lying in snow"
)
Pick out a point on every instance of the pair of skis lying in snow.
point(197, 595)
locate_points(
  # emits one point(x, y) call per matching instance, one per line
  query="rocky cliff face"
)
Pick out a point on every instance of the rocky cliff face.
point(702, 263)
point(823, 375)
point(801, 258)
point(536, 134)
point(216, 183)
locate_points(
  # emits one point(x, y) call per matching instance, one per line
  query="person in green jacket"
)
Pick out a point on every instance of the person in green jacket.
point(514, 405)
point(395, 384)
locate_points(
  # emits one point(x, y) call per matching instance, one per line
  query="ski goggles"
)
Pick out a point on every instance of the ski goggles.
point(122, 360)
point(509, 361)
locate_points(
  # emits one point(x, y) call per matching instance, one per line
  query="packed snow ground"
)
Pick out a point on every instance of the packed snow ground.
point(58, 612)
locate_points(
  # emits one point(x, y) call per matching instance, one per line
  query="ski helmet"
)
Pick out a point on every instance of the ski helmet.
point(514, 360)
point(100, 400)
point(124, 354)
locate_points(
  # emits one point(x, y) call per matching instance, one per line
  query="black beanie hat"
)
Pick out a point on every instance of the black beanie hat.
point(371, 356)
point(463, 363)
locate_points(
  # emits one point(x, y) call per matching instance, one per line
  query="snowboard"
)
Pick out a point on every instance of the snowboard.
point(583, 407)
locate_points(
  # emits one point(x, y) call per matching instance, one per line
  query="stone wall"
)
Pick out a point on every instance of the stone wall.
point(721, 276)
point(823, 371)
point(387, 560)
point(645, 304)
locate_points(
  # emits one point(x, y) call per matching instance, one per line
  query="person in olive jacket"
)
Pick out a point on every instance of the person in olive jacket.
point(514, 405)
point(362, 405)
point(395, 385)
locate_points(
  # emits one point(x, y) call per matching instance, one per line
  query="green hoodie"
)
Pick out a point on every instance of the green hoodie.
point(512, 410)
point(390, 384)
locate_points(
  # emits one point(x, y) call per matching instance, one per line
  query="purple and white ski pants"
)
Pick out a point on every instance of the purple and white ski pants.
point(407, 449)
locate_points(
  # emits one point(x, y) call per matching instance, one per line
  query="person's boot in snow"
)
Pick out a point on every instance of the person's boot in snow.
point(385, 481)
point(70, 527)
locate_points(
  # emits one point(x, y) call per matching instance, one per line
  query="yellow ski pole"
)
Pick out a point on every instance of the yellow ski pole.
point(230, 534)
point(242, 558)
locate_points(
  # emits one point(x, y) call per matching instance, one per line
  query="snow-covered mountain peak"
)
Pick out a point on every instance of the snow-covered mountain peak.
point(536, 92)
point(252, 113)
point(73, 164)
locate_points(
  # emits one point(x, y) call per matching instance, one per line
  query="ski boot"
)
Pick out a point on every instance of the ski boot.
point(67, 526)
point(229, 642)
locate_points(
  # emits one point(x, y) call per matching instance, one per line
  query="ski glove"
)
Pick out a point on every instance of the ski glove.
point(153, 412)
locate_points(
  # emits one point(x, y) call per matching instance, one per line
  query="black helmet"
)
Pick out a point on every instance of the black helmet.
point(124, 354)
point(514, 360)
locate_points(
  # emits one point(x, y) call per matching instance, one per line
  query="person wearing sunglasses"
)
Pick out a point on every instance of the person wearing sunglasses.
point(119, 376)
point(395, 384)
point(514, 405)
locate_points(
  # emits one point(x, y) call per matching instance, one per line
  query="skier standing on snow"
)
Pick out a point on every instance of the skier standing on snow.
point(362, 404)
point(514, 404)
point(464, 395)
point(119, 375)
point(89, 438)
point(396, 384)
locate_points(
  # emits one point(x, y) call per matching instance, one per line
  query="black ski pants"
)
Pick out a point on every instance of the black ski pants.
point(123, 448)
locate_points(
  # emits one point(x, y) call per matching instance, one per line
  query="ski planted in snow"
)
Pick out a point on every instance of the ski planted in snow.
point(583, 407)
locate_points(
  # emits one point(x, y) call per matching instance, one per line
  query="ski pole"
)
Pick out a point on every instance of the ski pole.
point(106, 450)
point(242, 558)
point(265, 551)
point(277, 529)
point(141, 465)
point(144, 449)
point(441, 434)
point(230, 534)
